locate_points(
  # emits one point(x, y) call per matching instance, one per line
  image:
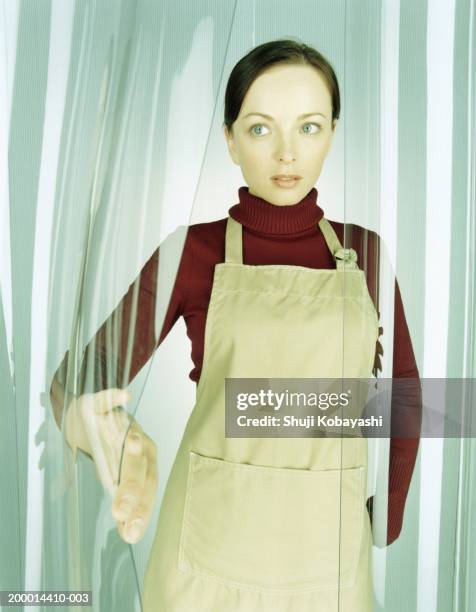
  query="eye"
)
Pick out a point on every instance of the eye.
point(316, 125)
point(257, 125)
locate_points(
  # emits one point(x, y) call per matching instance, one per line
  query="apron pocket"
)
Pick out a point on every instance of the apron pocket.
point(275, 530)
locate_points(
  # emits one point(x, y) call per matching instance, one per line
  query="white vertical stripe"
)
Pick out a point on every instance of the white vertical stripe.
point(59, 58)
point(440, 33)
point(438, 169)
point(389, 84)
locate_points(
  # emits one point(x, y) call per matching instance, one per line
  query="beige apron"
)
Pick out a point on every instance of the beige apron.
point(270, 524)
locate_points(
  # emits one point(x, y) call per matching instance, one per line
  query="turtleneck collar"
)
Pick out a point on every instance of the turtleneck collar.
point(262, 216)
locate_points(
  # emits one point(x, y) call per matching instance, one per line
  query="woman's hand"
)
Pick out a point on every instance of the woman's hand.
point(97, 424)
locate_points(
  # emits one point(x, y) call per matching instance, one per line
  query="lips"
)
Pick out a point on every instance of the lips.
point(286, 177)
point(286, 181)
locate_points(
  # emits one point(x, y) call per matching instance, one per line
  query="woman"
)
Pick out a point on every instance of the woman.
point(255, 524)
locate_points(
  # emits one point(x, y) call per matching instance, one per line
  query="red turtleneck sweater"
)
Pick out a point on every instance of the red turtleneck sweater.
point(271, 235)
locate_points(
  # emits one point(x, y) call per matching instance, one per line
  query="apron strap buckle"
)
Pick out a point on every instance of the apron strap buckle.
point(346, 258)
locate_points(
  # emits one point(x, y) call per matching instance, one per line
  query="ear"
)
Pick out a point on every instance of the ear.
point(334, 125)
point(231, 146)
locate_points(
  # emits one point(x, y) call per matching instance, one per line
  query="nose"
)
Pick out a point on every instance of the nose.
point(285, 151)
point(287, 157)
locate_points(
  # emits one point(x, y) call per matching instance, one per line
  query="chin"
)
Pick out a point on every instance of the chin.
point(289, 197)
point(280, 197)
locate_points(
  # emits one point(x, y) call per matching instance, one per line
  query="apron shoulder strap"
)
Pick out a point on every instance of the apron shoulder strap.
point(233, 242)
point(345, 258)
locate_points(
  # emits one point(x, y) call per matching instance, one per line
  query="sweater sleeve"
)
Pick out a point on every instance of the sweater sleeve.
point(406, 405)
point(125, 342)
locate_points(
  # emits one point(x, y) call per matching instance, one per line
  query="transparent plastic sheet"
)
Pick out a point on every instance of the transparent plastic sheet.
point(128, 337)
point(111, 121)
point(107, 184)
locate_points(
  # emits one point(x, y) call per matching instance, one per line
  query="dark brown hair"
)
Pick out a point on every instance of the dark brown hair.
point(259, 59)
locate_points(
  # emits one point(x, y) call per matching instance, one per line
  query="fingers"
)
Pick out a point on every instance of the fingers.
point(106, 423)
point(131, 505)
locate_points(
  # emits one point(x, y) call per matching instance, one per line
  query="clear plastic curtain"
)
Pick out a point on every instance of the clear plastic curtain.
point(100, 104)
point(111, 146)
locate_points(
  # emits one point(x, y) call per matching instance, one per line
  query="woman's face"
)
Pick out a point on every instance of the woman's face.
point(293, 138)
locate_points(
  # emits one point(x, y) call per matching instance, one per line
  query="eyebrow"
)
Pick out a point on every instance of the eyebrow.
point(271, 118)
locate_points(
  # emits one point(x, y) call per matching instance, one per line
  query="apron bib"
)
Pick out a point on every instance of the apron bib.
point(270, 524)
